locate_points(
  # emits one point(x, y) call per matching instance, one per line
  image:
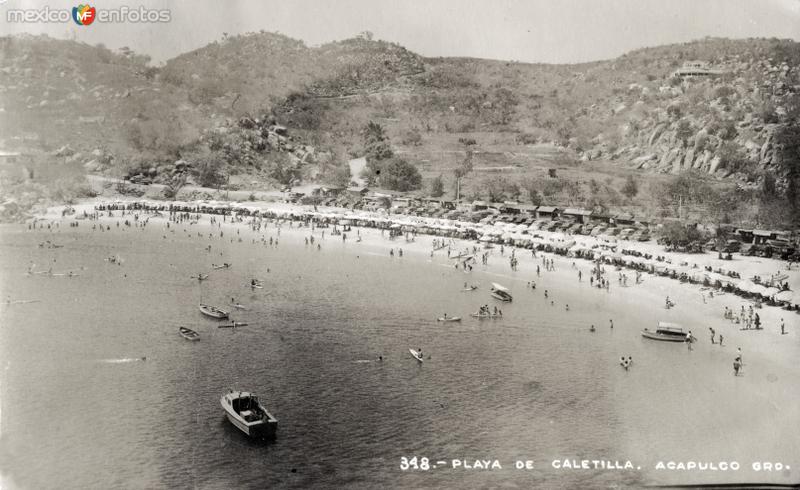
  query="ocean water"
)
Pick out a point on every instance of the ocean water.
point(80, 409)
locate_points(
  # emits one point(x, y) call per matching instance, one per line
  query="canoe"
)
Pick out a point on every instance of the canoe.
point(449, 319)
point(484, 315)
point(415, 354)
point(188, 333)
point(247, 413)
point(213, 311)
point(233, 325)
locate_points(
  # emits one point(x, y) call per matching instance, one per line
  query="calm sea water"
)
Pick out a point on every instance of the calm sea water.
point(80, 411)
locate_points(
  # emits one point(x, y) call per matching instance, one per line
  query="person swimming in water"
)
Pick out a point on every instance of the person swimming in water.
point(591, 329)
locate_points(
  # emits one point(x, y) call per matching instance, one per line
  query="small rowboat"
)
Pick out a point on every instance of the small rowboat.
point(449, 319)
point(485, 315)
point(240, 306)
point(189, 334)
point(471, 288)
point(233, 325)
point(213, 311)
point(223, 266)
point(201, 277)
point(416, 354)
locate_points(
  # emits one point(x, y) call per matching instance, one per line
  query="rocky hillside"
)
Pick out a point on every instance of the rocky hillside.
point(713, 106)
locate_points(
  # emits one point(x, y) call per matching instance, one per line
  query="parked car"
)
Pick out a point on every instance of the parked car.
point(732, 246)
point(573, 228)
point(598, 230)
point(641, 236)
point(626, 233)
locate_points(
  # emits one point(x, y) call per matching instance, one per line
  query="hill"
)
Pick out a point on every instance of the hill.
point(263, 107)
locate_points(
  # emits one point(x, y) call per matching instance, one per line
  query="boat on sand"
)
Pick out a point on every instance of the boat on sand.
point(246, 412)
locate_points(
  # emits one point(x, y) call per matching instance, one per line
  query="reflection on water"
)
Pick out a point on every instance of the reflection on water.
point(99, 390)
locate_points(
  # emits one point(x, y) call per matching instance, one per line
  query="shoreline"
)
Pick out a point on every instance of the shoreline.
point(688, 296)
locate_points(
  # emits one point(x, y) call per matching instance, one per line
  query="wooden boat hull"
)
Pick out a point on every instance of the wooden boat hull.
point(213, 312)
point(665, 338)
point(450, 319)
point(504, 299)
point(480, 316)
point(189, 334)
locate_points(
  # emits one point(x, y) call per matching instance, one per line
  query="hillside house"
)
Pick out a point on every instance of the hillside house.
point(547, 212)
point(579, 215)
point(693, 69)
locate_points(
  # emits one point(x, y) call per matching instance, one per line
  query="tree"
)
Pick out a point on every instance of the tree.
point(463, 169)
point(437, 186)
point(677, 234)
point(684, 130)
point(399, 175)
point(531, 187)
point(376, 144)
point(208, 172)
point(376, 149)
point(630, 188)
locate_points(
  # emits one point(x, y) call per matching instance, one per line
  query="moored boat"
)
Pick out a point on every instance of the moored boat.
point(188, 333)
point(501, 292)
point(485, 315)
point(213, 311)
point(245, 411)
point(449, 319)
point(669, 332)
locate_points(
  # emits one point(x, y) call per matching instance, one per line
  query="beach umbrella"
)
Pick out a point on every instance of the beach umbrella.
point(785, 296)
point(770, 292)
point(746, 286)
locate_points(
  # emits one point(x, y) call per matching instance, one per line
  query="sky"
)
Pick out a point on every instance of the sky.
point(551, 31)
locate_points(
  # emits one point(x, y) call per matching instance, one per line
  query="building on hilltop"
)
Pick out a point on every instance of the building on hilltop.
point(692, 69)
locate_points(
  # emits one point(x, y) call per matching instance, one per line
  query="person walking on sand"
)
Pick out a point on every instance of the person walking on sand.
point(611, 324)
point(689, 340)
point(712, 335)
point(720, 340)
point(783, 327)
point(737, 366)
